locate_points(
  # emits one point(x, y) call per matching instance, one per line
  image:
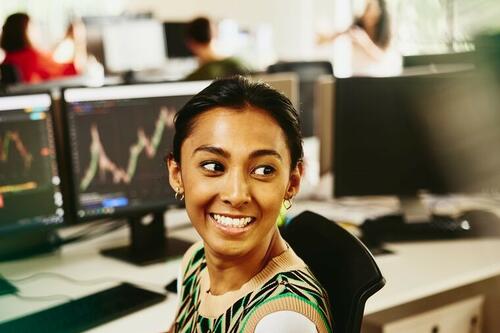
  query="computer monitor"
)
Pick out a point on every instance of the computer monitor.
point(308, 72)
point(31, 201)
point(436, 133)
point(175, 40)
point(286, 83)
point(118, 137)
point(467, 57)
point(133, 44)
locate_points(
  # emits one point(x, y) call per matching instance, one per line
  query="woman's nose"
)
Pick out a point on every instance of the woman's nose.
point(236, 191)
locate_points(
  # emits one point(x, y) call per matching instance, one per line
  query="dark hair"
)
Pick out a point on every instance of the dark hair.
point(238, 92)
point(15, 33)
point(199, 30)
point(382, 36)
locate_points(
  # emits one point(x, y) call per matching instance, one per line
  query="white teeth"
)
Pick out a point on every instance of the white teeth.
point(228, 221)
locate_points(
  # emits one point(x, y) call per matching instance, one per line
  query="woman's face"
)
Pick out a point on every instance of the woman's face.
point(235, 173)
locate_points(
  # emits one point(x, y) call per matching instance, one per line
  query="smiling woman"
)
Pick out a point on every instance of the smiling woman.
point(237, 157)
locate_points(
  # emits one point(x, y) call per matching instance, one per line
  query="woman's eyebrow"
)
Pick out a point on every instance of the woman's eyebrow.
point(265, 152)
point(212, 149)
point(221, 152)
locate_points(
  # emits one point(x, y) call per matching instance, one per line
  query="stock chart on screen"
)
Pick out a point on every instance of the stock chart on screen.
point(118, 144)
point(29, 180)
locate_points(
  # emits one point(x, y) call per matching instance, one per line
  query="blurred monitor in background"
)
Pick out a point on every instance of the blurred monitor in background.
point(285, 83)
point(411, 136)
point(437, 133)
point(175, 40)
point(456, 58)
point(133, 44)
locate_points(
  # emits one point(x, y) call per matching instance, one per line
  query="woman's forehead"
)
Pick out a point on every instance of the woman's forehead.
point(248, 128)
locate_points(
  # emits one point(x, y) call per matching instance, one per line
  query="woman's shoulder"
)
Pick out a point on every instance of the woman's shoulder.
point(295, 290)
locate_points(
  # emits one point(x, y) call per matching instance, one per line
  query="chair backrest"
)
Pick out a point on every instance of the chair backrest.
point(308, 72)
point(9, 74)
point(341, 263)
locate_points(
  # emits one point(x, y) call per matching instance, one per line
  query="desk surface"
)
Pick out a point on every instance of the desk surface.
point(416, 270)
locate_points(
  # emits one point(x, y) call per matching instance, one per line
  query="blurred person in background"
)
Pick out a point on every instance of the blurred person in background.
point(371, 50)
point(34, 65)
point(199, 39)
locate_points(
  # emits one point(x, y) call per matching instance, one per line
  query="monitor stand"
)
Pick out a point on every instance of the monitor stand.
point(413, 210)
point(148, 244)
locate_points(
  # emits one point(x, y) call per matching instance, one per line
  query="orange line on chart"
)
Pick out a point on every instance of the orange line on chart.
point(18, 187)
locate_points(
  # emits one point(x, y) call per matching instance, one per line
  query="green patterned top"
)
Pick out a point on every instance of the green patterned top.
point(284, 284)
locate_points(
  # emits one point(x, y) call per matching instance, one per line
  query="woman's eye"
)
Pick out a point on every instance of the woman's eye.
point(264, 170)
point(212, 166)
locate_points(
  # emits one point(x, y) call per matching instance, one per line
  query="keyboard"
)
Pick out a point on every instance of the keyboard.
point(393, 228)
point(86, 312)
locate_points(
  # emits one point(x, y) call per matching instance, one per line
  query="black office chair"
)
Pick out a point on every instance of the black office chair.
point(9, 74)
point(341, 263)
point(308, 72)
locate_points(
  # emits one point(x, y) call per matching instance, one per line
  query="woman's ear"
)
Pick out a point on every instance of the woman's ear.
point(294, 181)
point(174, 174)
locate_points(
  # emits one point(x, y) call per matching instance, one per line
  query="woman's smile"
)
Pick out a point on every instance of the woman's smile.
point(232, 224)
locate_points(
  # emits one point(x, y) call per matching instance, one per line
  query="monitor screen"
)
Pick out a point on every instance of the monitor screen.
point(402, 135)
point(175, 40)
point(118, 138)
point(133, 44)
point(30, 194)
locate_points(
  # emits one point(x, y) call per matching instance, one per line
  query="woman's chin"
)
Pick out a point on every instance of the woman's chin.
point(228, 248)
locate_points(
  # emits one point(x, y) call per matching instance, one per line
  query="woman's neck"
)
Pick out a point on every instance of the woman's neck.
point(229, 274)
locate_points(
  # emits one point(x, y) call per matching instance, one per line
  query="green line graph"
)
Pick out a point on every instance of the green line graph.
point(12, 137)
point(99, 160)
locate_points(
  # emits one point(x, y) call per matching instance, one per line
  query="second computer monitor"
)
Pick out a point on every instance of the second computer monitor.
point(401, 135)
point(133, 44)
point(118, 138)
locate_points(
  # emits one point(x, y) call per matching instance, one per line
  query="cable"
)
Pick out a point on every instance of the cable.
point(80, 282)
point(41, 275)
